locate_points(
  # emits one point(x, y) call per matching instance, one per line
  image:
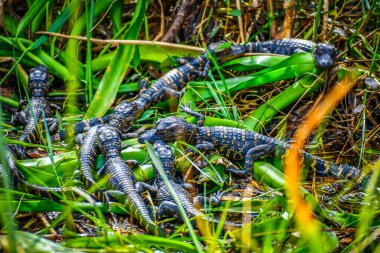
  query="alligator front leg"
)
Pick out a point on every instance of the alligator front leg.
point(19, 118)
point(19, 151)
point(213, 200)
point(52, 124)
point(171, 93)
point(203, 73)
point(201, 147)
point(200, 117)
point(56, 107)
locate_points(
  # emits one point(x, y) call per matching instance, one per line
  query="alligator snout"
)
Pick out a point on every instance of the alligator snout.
point(149, 136)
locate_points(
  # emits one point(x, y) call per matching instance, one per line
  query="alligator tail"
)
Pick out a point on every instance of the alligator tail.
point(328, 168)
point(52, 193)
point(77, 128)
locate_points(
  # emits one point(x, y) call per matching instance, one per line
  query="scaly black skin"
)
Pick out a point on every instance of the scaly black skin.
point(235, 144)
point(121, 178)
point(87, 155)
point(165, 200)
point(39, 106)
point(173, 83)
point(325, 54)
point(18, 180)
point(170, 85)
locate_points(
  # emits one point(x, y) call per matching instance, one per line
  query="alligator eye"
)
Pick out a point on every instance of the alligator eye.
point(160, 127)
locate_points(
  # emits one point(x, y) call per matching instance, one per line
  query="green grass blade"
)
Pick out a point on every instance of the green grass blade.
point(291, 67)
point(157, 163)
point(140, 241)
point(58, 22)
point(262, 115)
point(30, 15)
point(115, 72)
point(10, 24)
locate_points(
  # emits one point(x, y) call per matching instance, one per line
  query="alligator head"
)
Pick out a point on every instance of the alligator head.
point(38, 81)
point(169, 129)
point(109, 140)
point(125, 114)
point(325, 55)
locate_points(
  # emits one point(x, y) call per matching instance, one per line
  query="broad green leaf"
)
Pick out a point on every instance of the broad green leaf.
point(291, 67)
point(123, 242)
point(235, 12)
point(117, 68)
point(31, 243)
point(10, 23)
point(253, 62)
point(151, 53)
point(71, 50)
point(262, 115)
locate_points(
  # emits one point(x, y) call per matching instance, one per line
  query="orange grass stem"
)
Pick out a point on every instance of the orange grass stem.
point(304, 215)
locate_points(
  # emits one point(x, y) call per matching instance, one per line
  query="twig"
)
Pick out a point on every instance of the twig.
point(129, 42)
point(178, 21)
point(240, 21)
point(162, 25)
point(289, 19)
point(325, 19)
point(271, 20)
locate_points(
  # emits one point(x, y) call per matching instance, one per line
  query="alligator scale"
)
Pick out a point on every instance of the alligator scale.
point(235, 144)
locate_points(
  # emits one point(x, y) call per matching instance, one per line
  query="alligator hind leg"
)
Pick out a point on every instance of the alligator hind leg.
point(21, 103)
point(142, 186)
point(19, 151)
point(113, 194)
point(252, 155)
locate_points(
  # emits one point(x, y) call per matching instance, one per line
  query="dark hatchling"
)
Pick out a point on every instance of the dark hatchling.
point(122, 180)
point(236, 144)
point(17, 180)
point(38, 108)
point(167, 205)
point(325, 54)
point(171, 85)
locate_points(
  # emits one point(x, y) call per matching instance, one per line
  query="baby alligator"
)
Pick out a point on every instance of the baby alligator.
point(165, 200)
point(39, 107)
point(235, 144)
point(324, 54)
point(18, 180)
point(171, 85)
point(121, 178)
